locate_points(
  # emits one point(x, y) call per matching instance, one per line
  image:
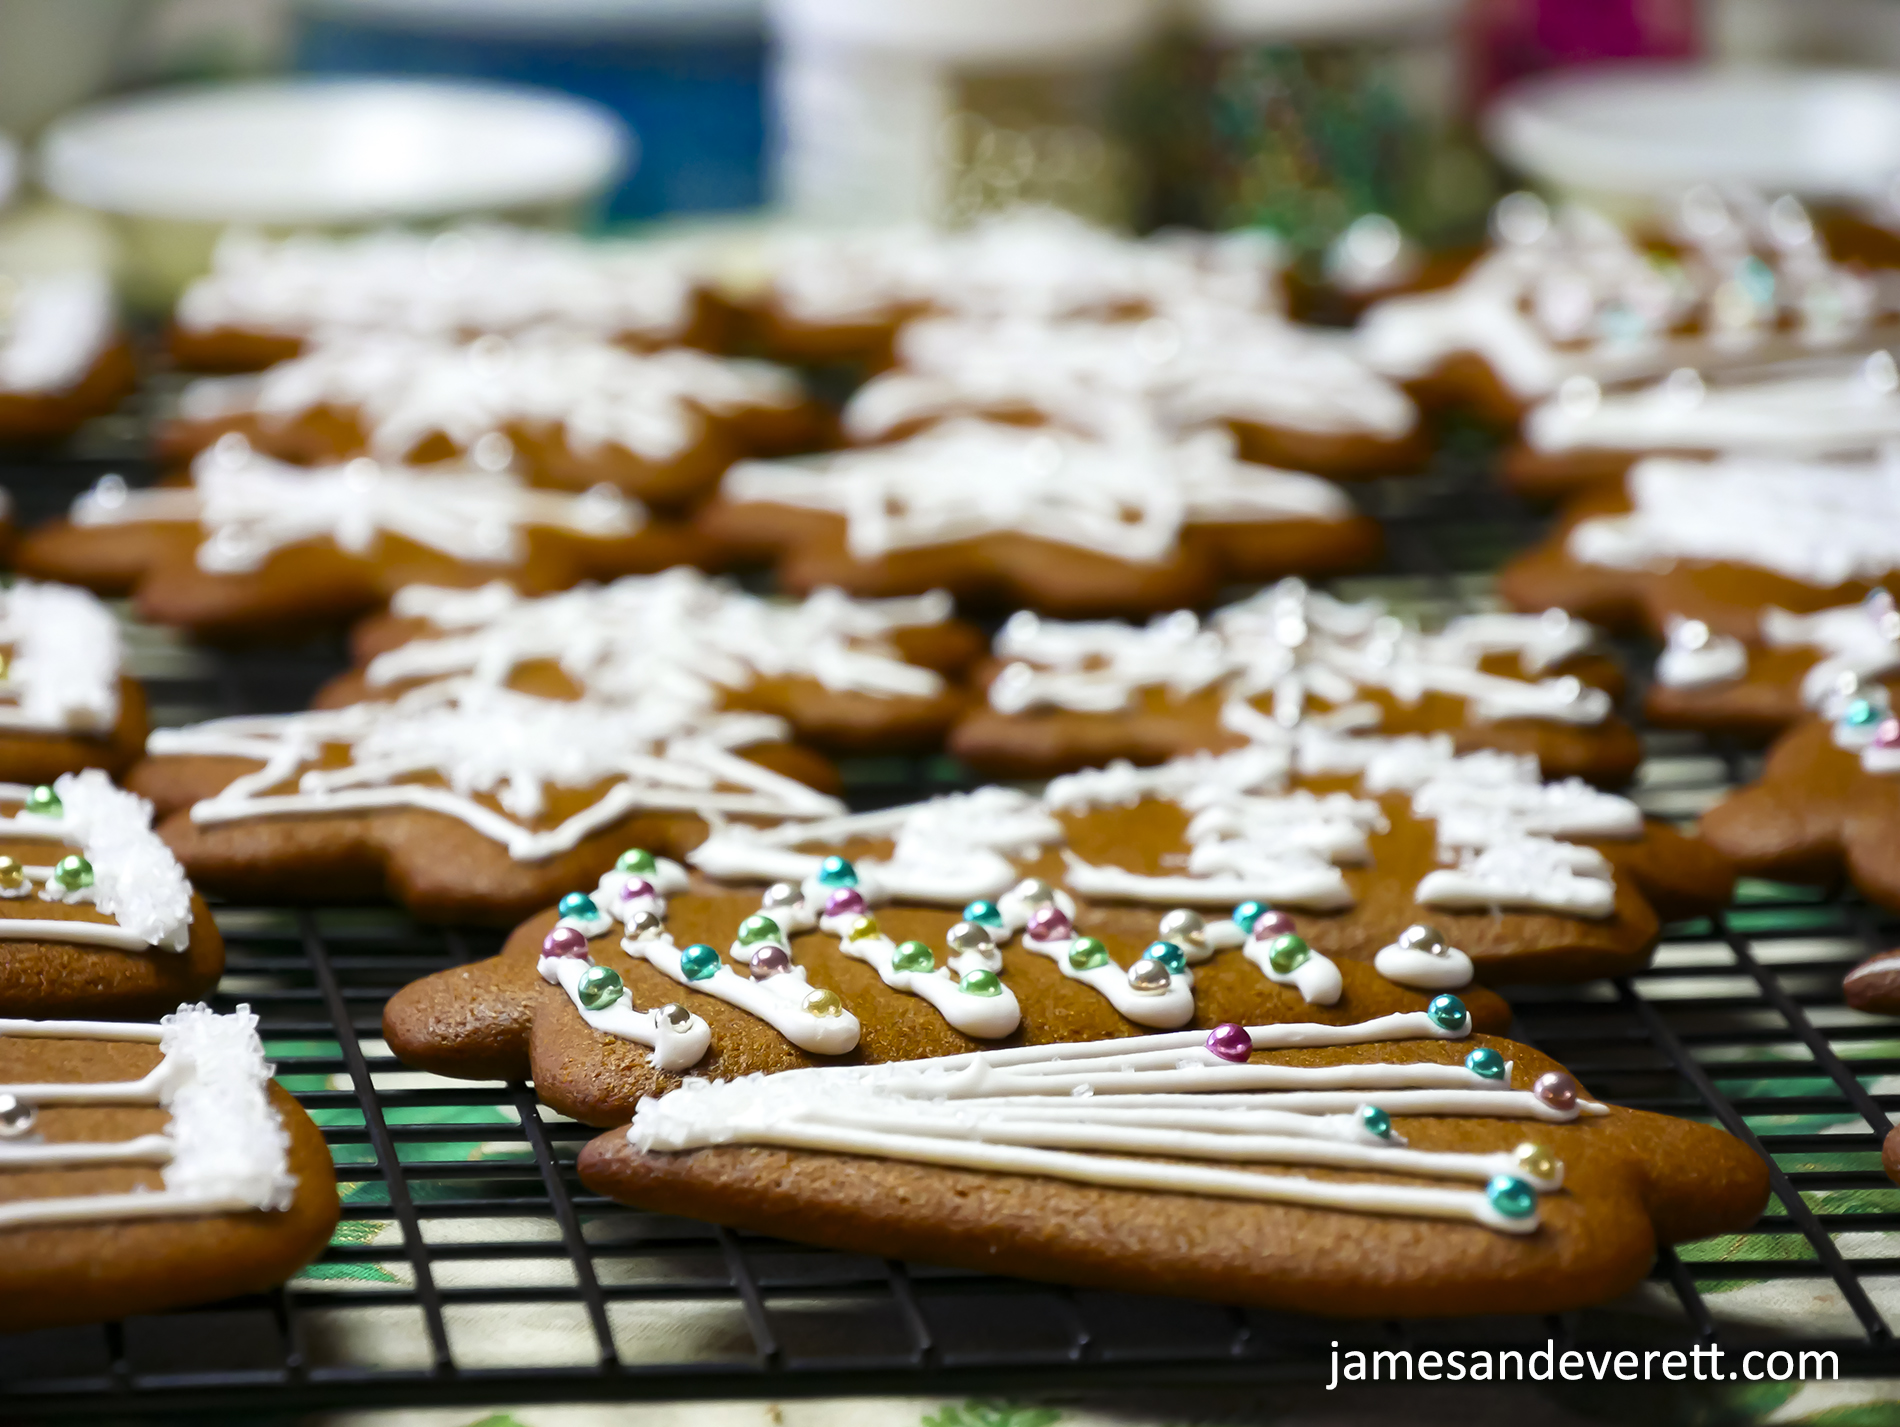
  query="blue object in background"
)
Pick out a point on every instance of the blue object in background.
point(688, 80)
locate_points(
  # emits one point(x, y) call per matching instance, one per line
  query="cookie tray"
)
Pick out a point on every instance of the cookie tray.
point(472, 1268)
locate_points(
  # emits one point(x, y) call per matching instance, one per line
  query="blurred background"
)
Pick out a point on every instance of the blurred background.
point(139, 126)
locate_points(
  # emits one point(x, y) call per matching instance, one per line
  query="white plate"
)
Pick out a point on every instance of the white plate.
point(333, 152)
point(1653, 128)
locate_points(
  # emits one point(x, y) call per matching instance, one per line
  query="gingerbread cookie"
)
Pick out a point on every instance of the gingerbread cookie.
point(255, 548)
point(1411, 1167)
point(1716, 542)
point(1584, 436)
point(65, 701)
point(1827, 802)
point(264, 299)
point(1352, 838)
point(1874, 985)
point(1797, 662)
point(841, 297)
point(1067, 696)
point(96, 917)
point(1293, 397)
point(149, 1167)
point(620, 991)
point(849, 676)
point(1569, 294)
point(465, 800)
point(564, 411)
point(63, 359)
point(1039, 517)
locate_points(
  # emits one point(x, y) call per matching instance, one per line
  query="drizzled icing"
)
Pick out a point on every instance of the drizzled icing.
point(251, 506)
point(404, 389)
point(496, 754)
point(136, 880)
point(1128, 498)
point(224, 1151)
point(1858, 640)
point(1291, 644)
point(1448, 969)
point(1030, 263)
point(1569, 295)
point(679, 630)
point(1249, 838)
point(673, 1050)
point(469, 280)
point(1094, 1112)
point(1199, 365)
point(53, 330)
point(1852, 407)
point(62, 672)
point(948, 851)
point(1819, 523)
point(1695, 656)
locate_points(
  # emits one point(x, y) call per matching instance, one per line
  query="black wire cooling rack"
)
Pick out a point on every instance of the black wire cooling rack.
point(472, 1268)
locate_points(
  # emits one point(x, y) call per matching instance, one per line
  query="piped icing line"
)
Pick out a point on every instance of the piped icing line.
point(129, 873)
point(1565, 300)
point(62, 674)
point(1295, 881)
point(777, 1000)
point(1084, 959)
point(1314, 975)
point(1040, 1110)
point(228, 1149)
point(1295, 645)
point(947, 851)
point(1128, 498)
point(1423, 959)
point(1696, 657)
point(1857, 642)
point(484, 740)
point(989, 1015)
point(680, 629)
point(403, 389)
point(673, 1049)
point(474, 278)
point(141, 1149)
point(250, 506)
point(1822, 523)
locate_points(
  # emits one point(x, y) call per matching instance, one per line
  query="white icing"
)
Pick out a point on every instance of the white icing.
point(1448, 970)
point(776, 1000)
point(465, 281)
point(679, 630)
point(1089, 1112)
point(136, 879)
point(1030, 262)
point(1292, 645)
point(1573, 299)
point(403, 389)
point(62, 675)
point(985, 1017)
point(250, 507)
point(1860, 640)
point(1853, 408)
point(1694, 656)
point(497, 754)
point(225, 1149)
point(1199, 365)
point(1822, 523)
point(1316, 978)
point(1248, 839)
point(1169, 1007)
point(948, 851)
point(673, 1050)
point(1128, 498)
point(1880, 761)
point(53, 330)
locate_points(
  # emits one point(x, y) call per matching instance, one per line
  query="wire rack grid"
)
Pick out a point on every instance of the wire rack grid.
point(471, 1266)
